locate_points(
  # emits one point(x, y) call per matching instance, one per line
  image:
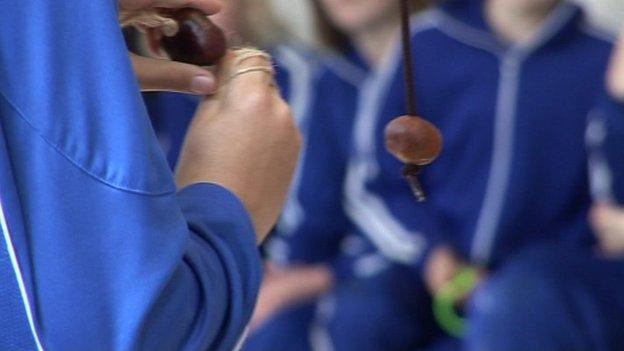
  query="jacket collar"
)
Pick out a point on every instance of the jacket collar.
point(465, 21)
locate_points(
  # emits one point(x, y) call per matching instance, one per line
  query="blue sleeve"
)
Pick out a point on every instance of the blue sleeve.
point(117, 259)
point(608, 147)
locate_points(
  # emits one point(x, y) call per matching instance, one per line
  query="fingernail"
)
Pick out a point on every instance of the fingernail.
point(202, 84)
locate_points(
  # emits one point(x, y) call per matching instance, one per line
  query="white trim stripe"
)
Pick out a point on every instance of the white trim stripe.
point(344, 69)
point(301, 77)
point(242, 339)
point(502, 159)
point(598, 32)
point(468, 35)
point(318, 334)
point(18, 276)
point(600, 174)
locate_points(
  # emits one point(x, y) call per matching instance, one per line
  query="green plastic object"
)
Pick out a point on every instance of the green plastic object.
point(445, 300)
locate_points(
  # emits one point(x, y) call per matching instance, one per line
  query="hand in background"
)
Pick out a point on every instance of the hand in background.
point(615, 76)
point(441, 267)
point(608, 223)
point(286, 287)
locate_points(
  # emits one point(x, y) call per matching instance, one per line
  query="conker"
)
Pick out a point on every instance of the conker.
point(413, 140)
point(198, 41)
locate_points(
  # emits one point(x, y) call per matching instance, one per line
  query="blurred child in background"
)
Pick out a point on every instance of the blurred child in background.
point(511, 84)
point(323, 270)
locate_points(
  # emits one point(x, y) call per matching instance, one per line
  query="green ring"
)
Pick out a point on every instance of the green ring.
point(444, 301)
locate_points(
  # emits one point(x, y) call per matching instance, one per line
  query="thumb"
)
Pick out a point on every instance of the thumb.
point(164, 75)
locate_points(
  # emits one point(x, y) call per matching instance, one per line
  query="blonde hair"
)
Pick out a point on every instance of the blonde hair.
point(333, 38)
point(258, 24)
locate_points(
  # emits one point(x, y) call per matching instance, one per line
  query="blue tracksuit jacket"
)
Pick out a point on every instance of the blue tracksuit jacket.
point(98, 251)
point(514, 170)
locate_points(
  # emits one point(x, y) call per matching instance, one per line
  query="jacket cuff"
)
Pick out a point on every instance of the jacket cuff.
point(219, 203)
point(226, 216)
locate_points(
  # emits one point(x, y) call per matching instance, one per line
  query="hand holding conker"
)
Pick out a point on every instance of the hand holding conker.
point(190, 39)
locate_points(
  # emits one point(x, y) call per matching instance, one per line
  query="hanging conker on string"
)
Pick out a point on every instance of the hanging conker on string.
point(416, 143)
point(413, 140)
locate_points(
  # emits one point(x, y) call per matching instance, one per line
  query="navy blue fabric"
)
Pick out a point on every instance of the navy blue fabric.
point(171, 114)
point(550, 297)
point(388, 311)
point(111, 256)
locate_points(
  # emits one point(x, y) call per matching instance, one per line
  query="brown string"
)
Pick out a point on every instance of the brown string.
point(407, 57)
point(410, 172)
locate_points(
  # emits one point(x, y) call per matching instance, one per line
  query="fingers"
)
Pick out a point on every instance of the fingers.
point(247, 83)
point(441, 267)
point(247, 71)
point(209, 7)
point(165, 75)
point(608, 223)
point(611, 242)
point(604, 216)
point(240, 60)
point(615, 75)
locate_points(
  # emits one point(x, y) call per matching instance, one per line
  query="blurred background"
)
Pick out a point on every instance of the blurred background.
point(608, 14)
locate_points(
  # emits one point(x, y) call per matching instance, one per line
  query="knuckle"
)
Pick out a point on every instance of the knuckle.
point(287, 120)
point(284, 110)
point(258, 99)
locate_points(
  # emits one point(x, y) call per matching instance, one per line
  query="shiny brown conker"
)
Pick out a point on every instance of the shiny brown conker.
point(413, 140)
point(198, 41)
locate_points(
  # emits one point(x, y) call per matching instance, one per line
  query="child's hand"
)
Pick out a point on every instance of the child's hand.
point(608, 224)
point(283, 288)
point(615, 76)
